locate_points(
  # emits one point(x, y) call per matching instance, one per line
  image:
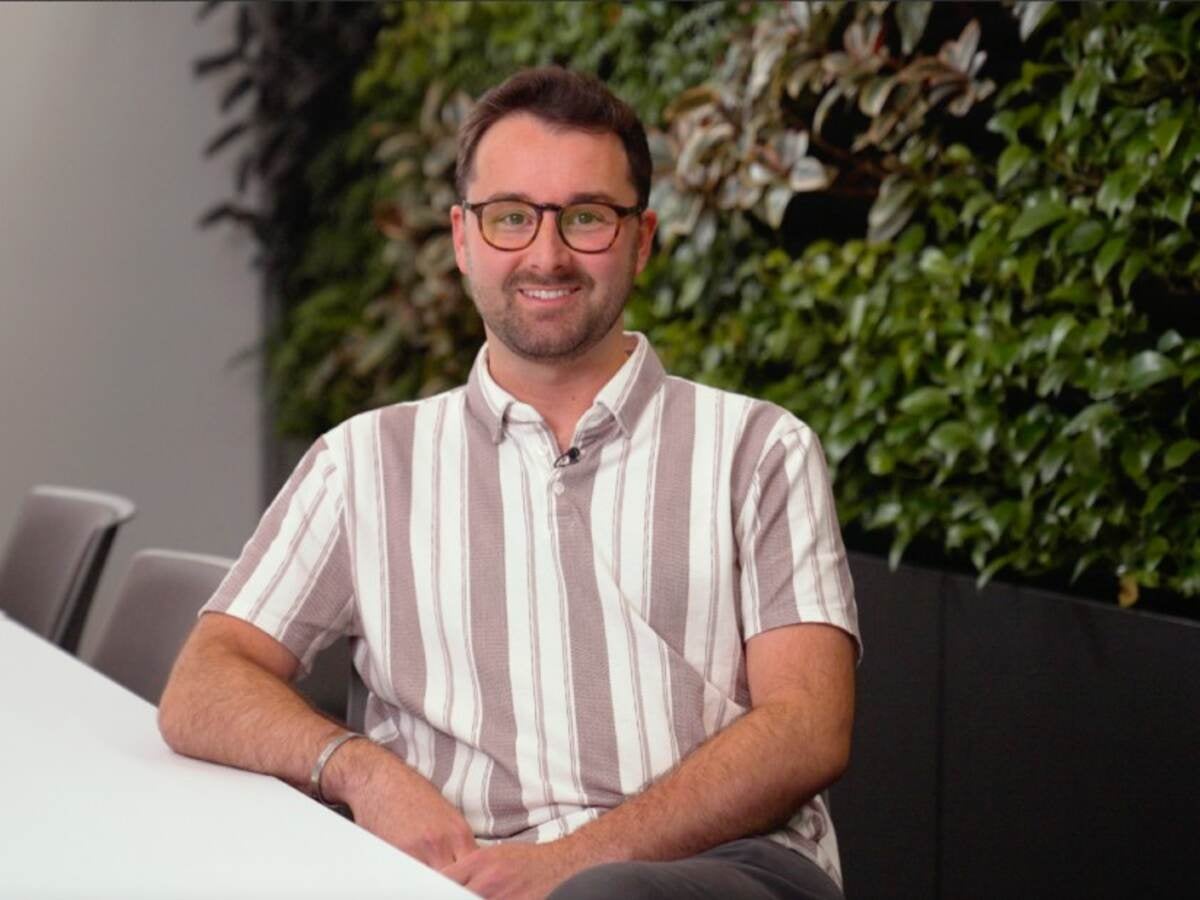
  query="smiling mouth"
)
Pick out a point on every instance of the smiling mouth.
point(548, 293)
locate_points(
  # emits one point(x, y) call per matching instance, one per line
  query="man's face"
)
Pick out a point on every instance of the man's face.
point(548, 302)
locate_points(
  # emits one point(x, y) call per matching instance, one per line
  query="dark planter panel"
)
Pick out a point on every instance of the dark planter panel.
point(884, 809)
point(1071, 744)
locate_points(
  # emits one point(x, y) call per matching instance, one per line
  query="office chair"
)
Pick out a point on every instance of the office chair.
point(154, 613)
point(55, 556)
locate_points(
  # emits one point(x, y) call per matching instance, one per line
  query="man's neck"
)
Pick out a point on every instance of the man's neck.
point(561, 392)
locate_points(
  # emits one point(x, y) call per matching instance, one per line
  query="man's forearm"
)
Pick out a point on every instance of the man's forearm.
point(229, 701)
point(749, 778)
point(224, 708)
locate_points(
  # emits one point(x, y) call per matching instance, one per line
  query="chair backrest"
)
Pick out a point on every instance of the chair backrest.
point(356, 701)
point(325, 683)
point(54, 559)
point(154, 612)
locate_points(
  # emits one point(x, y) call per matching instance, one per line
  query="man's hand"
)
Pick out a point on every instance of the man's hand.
point(395, 803)
point(518, 871)
point(229, 701)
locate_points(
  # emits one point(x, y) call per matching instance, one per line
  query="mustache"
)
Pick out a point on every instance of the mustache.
point(571, 278)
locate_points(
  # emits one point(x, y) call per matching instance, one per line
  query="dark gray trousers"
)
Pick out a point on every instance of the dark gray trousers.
point(752, 868)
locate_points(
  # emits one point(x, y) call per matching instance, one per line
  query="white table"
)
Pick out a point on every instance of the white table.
point(94, 805)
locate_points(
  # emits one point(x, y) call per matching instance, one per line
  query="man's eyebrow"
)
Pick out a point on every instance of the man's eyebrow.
point(524, 198)
point(596, 197)
point(585, 197)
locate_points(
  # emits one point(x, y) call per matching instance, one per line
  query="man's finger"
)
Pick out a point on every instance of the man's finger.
point(464, 847)
point(446, 849)
point(459, 871)
point(433, 854)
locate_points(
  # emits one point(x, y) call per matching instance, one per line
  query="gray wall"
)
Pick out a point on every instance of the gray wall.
point(118, 318)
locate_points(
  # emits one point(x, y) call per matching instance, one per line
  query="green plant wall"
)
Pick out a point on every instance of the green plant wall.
point(387, 318)
point(957, 239)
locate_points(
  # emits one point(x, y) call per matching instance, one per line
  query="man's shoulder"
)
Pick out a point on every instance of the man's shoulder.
point(756, 420)
point(390, 417)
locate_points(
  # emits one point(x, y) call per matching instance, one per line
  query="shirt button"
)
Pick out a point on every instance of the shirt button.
point(558, 488)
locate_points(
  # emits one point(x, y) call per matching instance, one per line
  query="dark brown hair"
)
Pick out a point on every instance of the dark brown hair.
point(559, 97)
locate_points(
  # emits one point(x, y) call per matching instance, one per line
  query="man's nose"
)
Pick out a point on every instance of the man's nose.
point(548, 251)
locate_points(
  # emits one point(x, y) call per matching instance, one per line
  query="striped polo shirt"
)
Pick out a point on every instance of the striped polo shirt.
point(543, 641)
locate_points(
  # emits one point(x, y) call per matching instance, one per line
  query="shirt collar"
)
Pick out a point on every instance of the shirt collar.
point(624, 396)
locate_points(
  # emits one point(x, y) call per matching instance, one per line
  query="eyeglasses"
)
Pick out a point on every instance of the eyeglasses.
point(584, 227)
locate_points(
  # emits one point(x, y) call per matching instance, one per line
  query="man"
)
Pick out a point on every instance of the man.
point(604, 615)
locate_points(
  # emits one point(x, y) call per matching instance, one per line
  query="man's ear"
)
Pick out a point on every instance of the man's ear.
point(458, 226)
point(647, 223)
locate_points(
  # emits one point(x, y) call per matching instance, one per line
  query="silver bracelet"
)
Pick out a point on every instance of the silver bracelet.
point(314, 780)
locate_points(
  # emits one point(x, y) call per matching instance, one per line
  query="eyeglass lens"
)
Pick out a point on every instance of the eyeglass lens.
point(511, 225)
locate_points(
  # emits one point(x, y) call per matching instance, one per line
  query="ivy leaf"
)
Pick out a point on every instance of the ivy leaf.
point(896, 553)
point(960, 54)
point(1090, 417)
point(1066, 101)
point(689, 293)
point(1005, 123)
point(988, 572)
point(1130, 271)
point(880, 460)
point(1053, 378)
point(808, 175)
point(875, 95)
point(892, 209)
point(1085, 237)
point(1048, 124)
point(1179, 453)
point(1094, 334)
point(1083, 564)
point(1165, 134)
point(1169, 341)
point(1063, 326)
point(911, 17)
point(935, 264)
point(1034, 218)
point(886, 513)
point(1085, 457)
point(1118, 192)
point(764, 66)
point(951, 438)
point(1157, 495)
point(1107, 257)
point(925, 401)
point(1089, 89)
point(1027, 269)
point(831, 97)
point(1177, 207)
point(1033, 13)
point(1135, 459)
point(1051, 461)
point(1147, 368)
point(1191, 375)
point(777, 200)
point(1014, 157)
point(698, 146)
point(912, 240)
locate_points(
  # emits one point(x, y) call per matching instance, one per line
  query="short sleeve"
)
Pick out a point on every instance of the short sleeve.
point(793, 565)
point(293, 579)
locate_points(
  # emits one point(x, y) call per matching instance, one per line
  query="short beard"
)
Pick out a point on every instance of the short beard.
point(527, 341)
